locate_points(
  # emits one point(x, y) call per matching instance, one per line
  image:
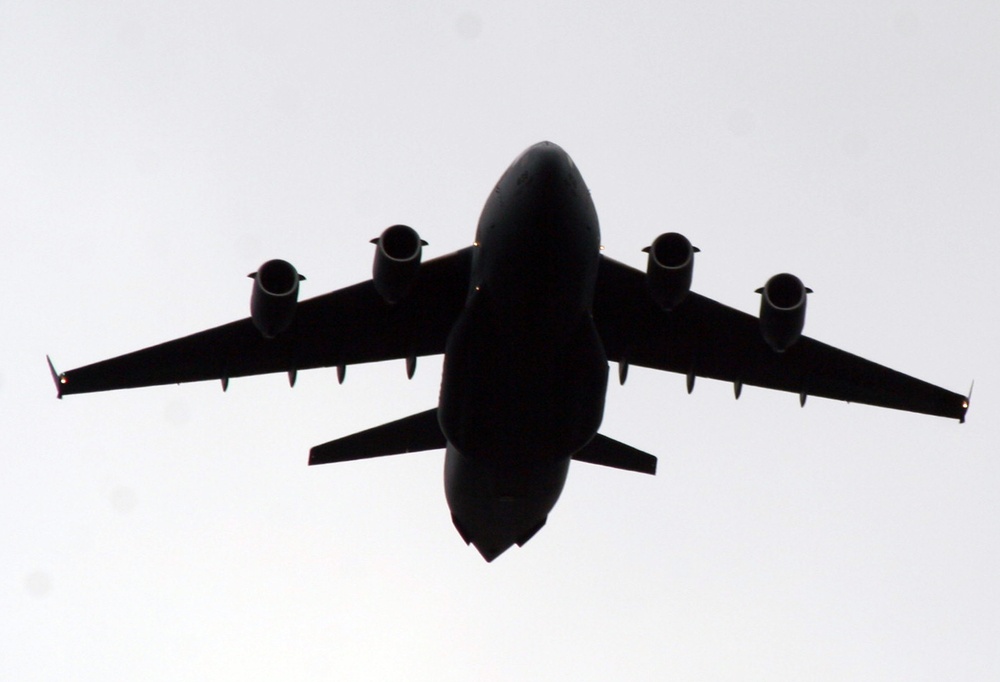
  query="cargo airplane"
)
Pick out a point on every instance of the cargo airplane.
point(527, 318)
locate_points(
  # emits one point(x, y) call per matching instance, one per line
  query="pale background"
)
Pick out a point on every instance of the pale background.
point(154, 153)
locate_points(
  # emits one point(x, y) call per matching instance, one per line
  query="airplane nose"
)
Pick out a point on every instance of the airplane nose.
point(546, 161)
point(543, 177)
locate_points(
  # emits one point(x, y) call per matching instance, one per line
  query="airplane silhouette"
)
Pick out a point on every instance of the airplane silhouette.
point(527, 318)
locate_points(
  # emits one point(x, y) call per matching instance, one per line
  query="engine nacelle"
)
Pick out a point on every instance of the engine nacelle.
point(782, 310)
point(397, 261)
point(275, 294)
point(669, 269)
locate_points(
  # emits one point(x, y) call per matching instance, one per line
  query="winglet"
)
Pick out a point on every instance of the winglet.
point(57, 378)
point(966, 403)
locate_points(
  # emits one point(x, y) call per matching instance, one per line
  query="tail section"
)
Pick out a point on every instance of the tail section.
point(410, 434)
point(611, 453)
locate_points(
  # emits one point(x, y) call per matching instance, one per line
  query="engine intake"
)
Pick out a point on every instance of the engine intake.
point(669, 269)
point(397, 261)
point(274, 297)
point(782, 310)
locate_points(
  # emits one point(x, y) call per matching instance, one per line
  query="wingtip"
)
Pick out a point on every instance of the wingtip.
point(966, 403)
point(58, 379)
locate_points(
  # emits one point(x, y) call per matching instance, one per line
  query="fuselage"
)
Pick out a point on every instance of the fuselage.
point(525, 373)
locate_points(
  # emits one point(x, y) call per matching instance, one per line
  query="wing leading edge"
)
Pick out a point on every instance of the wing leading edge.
point(347, 326)
point(704, 338)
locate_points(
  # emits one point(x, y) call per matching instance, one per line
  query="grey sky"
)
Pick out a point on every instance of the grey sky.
point(151, 154)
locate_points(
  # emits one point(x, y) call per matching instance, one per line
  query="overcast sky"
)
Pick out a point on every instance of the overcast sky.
point(154, 153)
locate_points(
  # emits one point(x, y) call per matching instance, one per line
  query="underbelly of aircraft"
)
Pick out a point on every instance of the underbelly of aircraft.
point(512, 396)
point(515, 406)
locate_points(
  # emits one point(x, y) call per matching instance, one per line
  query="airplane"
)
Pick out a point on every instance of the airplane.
point(528, 318)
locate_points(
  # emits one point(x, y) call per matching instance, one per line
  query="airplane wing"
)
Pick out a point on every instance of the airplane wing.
point(707, 339)
point(351, 325)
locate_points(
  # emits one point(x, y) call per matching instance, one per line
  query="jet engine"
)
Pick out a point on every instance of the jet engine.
point(275, 294)
point(397, 260)
point(782, 310)
point(669, 269)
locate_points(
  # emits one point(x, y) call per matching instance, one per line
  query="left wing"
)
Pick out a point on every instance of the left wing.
point(704, 338)
point(347, 326)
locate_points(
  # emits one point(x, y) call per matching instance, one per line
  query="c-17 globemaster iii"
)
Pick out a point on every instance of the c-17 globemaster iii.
point(527, 319)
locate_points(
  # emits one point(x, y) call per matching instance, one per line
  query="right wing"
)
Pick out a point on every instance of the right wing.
point(344, 327)
point(704, 338)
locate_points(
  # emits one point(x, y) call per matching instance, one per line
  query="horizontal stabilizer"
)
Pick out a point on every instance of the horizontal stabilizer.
point(611, 453)
point(410, 434)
